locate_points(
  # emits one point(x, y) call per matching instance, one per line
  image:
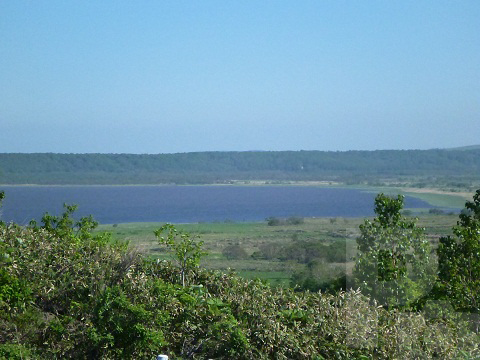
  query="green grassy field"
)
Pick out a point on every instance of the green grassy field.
point(434, 197)
point(262, 245)
point(440, 200)
point(274, 253)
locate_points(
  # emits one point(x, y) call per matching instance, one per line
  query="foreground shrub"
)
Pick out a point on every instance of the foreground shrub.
point(459, 261)
point(393, 265)
point(56, 292)
point(74, 295)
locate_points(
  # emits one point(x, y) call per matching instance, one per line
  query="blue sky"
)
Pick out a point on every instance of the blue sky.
point(182, 76)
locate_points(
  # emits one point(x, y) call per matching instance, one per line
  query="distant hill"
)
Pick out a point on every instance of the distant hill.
point(462, 148)
point(222, 167)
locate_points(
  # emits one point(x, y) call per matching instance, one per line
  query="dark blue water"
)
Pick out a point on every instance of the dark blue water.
point(187, 204)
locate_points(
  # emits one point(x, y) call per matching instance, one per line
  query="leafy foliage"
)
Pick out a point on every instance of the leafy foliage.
point(2, 196)
point(66, 293)
point(459, 259)
point(187, 252)
point(393, 263)
point(65, 225)
point(234, 252)
point(451, 168)
point(319, 276)
point(51, 288)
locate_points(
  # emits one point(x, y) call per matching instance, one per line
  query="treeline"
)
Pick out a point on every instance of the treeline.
point(454, 168)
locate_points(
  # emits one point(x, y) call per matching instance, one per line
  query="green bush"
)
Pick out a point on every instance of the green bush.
point(273, 221)
point(295, 220)
point(16, 352)
point(393, 265)
point(66, 293)
point(234, 252)
point(292, 220)
point(459, 261)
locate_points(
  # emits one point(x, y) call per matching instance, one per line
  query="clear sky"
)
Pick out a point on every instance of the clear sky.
point(181, 76)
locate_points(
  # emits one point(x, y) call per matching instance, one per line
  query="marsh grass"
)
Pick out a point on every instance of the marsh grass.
point(430, 193)
point(252, 237)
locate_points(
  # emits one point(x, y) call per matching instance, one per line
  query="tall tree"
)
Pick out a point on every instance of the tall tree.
point(393, 260)
point(459, 259)
point(185, 250)
point(2, 196)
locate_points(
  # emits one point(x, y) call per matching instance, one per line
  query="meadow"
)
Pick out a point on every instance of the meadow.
point(273, 252)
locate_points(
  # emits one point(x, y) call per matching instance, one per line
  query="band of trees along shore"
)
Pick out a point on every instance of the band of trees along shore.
point(451, 169)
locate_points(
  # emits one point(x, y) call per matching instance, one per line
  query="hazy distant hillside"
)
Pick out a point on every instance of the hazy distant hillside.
point(470, 147)
point(219, 167)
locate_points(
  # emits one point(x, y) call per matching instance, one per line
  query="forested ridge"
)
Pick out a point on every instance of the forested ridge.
point(222, 167)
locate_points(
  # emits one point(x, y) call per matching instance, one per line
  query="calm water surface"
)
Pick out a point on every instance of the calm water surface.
point(186, 204)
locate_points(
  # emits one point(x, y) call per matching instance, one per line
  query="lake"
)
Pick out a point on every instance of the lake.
point(188, 204)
